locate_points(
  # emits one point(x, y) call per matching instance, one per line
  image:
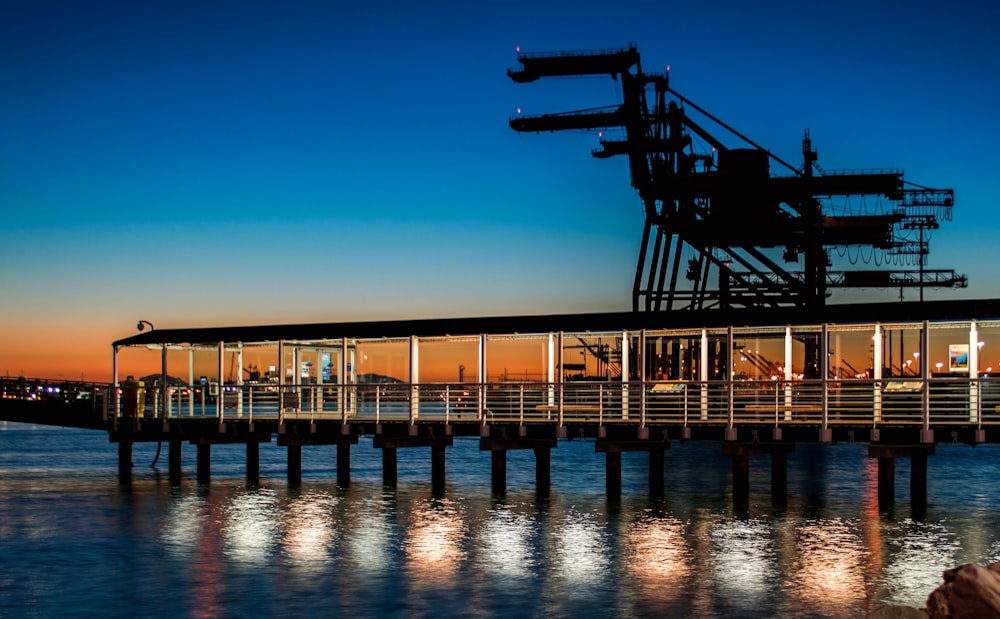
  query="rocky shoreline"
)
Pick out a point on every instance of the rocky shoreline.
point(969, 592)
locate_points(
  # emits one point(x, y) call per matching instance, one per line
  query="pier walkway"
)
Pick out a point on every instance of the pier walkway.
point(901, 377)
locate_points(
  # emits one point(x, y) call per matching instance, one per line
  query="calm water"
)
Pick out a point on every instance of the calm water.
point(74, 542)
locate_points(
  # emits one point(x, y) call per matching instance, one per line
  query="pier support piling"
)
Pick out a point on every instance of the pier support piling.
point(740, 454)
point(294, 464)
point(779, 477)
point(204, 462)
point(125, 461)
point(437, 467)
point(343, 464)
point(543, 470)
point(656, 460)
point(389, 467)
point(174, 452)
point(613, 470)
point(918, 480)
point(498, 477)
point(886, 455)
point(253, 462)
point(886, 481)
point(741, 478)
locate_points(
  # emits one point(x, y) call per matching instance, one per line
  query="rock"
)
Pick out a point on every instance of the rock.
point(969, 592)
point(895, 611)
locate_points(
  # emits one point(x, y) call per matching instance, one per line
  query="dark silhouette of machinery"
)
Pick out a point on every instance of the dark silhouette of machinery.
point(718, 224)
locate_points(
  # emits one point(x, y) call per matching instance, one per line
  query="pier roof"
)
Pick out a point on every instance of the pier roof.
point(965, 309)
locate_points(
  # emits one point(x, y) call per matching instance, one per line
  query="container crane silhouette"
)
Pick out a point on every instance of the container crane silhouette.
point(719, 227)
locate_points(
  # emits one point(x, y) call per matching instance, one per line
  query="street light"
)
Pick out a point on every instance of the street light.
point(142, 325)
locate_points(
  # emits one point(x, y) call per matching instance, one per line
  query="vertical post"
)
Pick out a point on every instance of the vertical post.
point(294, 463)
point(927, 435)
point(239, 379)
point(124, 461)
point(641, 362)
point(190, 381)
point(437, 467)
point(562, 378)
point(344, 462)
point(703, 373)
point(918, 479)
point(389, 467)
point(174, 460)
point(730, 401)
point(414, 379)
point(281, 381)
point(613, 468)
point(342, 366)
point(481, 377)
point(626, 377)
point(825, 435)
point(253, 462)
point(551, 371)
point(779, 476)
point(973, 372)
point(164, 395)
point(205, 461)
point(886, 481)
point(787, 374)
point(741, 479)
point(656, 472)
point(543, 477)
point(498, 462)
point(221, 380)
point(297, 379)
point(877, 374)
point(116, 396)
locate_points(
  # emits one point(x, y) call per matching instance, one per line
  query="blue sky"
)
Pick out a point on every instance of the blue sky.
point(195, 163)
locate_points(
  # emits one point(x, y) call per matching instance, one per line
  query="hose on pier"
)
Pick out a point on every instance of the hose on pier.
point(159, 445)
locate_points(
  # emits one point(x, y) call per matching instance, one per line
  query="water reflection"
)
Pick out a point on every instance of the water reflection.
point(183, 525)
point(222, 549)
point(919, 550)
point(743, 561)
point(308, 528)
point(827, 573)
point(580, 550)
point(368, 537)
point(658, 558)
point(505, 545)
point(250, 526)
point(433, 544)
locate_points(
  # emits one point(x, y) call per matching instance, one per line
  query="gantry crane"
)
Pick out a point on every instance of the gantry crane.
point(711, 209)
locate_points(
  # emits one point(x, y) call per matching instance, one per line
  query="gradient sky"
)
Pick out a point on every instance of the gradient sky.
point(219, 163)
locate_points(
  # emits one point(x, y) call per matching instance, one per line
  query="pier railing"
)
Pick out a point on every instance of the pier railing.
point(933, 401)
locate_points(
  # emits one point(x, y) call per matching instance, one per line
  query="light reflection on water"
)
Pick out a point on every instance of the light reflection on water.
point(919, 550)
point(742, 560)
point(226, 549)
point(434, 543)
point(658, 558)
point(505, 545)
point(828, 565)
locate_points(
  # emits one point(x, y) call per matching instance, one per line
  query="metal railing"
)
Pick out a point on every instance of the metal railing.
point(935, 401)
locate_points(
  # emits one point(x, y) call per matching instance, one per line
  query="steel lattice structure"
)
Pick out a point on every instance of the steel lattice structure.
point(718, 223)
